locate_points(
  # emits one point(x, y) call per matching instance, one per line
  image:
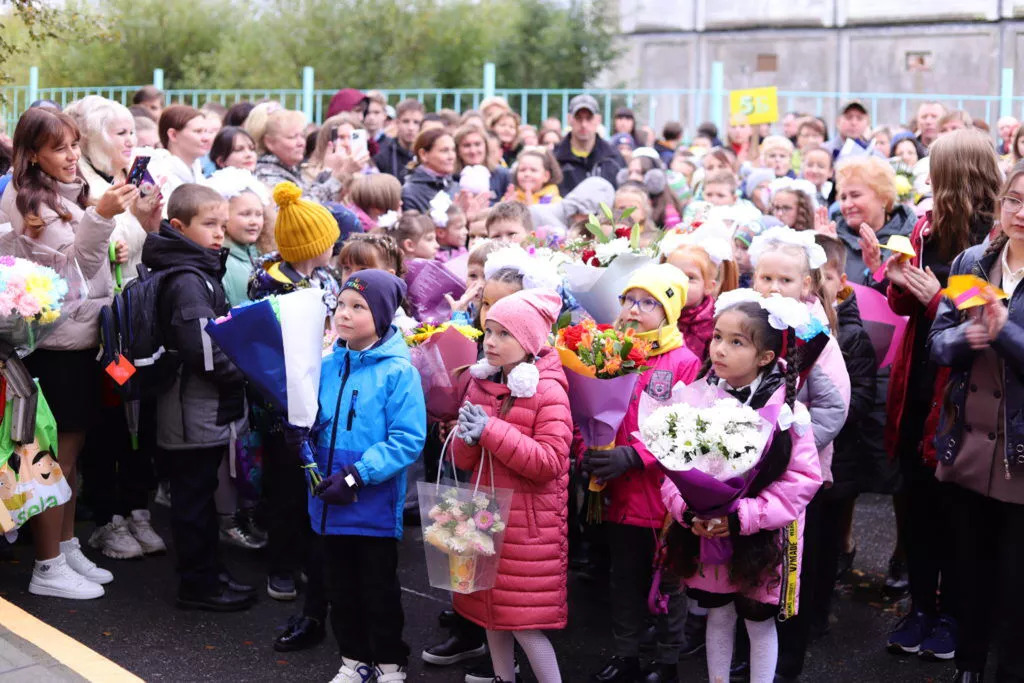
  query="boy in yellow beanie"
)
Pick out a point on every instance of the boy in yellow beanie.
point(650, 304)
point(306, 235)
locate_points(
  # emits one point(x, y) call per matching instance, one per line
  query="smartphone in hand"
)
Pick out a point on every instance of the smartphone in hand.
point(137, 173)
point(357, 143)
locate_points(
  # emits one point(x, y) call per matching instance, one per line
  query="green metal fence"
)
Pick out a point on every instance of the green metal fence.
point(652, 106)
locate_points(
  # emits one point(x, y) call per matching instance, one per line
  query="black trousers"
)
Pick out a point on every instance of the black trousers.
point(291, 542)
point(366, 598)
point(632, 553)
point(116, 478)
point(794, 632)
point(194, 524)
point(926, 539)
point(816, 594)
point(989, 574)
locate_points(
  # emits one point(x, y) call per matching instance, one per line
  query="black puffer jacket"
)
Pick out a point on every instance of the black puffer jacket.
point(208, 396)
point(421, 186)
point(860, 436)
point(604, 161)
point(393, 158)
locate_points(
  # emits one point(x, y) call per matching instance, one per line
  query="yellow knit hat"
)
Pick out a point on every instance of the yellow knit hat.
point(303, 229)
point(664, 282)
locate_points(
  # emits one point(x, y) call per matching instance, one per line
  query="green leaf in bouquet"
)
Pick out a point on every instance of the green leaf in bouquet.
point(634, 234)
point(594, 228)
point(606, 210)
point(563, 321)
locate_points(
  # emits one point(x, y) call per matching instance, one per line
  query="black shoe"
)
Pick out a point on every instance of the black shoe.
point(662, 673)
point(223, 601)
point(281, 587)
point(447, 618)
point(233, 584)
point(458, 648)
point(694, 634)
point(411, 516)
point(483, 672)
point(740, 672)
point(301, 633)
point(845, 563)
point(967, 677)
point(779, 678)
point(619, 670)
point(897, 581)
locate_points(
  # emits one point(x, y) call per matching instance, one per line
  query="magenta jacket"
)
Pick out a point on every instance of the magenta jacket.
point(530, 451)
point(635, 497)
point(698, 325)
point(781, 502)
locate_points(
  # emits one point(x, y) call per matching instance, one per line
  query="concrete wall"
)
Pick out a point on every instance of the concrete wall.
point(942, 47)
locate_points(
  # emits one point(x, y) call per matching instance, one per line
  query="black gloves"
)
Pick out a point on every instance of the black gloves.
point(340, 488)
point(610, 464)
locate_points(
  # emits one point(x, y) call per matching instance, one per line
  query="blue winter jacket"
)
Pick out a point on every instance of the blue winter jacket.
point(371, 408)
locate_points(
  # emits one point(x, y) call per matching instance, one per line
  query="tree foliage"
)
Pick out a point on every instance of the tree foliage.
point(350, 43)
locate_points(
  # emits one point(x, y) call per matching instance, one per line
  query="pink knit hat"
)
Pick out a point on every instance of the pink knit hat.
point(528, 316)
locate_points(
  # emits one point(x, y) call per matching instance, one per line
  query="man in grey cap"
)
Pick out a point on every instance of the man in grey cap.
point(583, 153)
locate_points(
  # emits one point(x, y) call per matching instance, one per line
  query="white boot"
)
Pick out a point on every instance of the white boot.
point(82, 564)
point(353, 672)
point(390, 673)
point(143, 532)
point(56, 579)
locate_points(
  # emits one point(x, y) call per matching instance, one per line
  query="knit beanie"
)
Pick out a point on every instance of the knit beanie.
point(666, 283)
point(383, 293)
point(303, 229)
point(528, 315)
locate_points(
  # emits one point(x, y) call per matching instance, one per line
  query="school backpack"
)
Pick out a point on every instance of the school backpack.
point(130, 330)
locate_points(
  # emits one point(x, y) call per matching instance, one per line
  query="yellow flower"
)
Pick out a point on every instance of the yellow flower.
point(903, 186)
point(48, 317)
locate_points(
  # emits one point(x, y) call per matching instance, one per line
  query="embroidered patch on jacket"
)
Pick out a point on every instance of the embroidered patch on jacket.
point(660, 386)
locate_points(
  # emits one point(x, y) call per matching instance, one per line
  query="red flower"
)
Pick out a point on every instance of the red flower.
point(636, 355)
point(571, 337)
point(624, 231)
point(589, 257)
point(696, 224)
point(604, 327)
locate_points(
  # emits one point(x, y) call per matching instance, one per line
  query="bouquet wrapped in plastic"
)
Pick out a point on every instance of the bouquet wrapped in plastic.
point(605, 267)
point(465, 533)
point(437, 352)
point(710, 446)
point(602, 366)
point(283, 368)
point(31, 296)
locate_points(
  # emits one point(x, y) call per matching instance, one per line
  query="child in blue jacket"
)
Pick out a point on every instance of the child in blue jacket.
point(372, 426)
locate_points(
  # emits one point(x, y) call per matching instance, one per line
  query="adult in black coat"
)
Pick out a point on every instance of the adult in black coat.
point(435, 163)
point(601, 159)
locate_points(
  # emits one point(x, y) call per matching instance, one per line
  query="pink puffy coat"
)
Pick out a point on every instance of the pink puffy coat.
point(635, 497)
point(781, 502)
point(529, 447)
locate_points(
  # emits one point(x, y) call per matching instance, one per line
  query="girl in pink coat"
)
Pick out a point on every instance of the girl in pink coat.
point(516, 420)
point(762, 573)
point(651, 303)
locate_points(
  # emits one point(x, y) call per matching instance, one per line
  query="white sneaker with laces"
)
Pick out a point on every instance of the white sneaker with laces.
point(390, 673)
point(140, 528)
point(115, 540)
point(353, 672)
point(56, 579)
point(77, 560)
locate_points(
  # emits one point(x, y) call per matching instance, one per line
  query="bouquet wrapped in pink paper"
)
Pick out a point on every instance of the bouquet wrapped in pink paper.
point(437, 352)
point(710, 447)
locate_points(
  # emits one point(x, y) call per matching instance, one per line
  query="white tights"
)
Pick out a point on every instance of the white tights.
point(538, 650)
point(721, 634)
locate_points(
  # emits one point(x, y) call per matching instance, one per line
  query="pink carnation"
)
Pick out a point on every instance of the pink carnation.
point(484, 520)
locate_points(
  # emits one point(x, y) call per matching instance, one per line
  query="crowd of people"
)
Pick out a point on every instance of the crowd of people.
point(257, 201)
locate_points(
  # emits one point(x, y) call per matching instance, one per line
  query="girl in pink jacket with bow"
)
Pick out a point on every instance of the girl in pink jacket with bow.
point(762, 574)
point(516, 427)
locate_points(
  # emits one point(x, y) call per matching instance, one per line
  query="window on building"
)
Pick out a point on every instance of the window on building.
point(767, 63)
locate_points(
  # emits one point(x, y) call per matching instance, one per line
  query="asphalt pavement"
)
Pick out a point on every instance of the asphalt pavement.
point(137, 626)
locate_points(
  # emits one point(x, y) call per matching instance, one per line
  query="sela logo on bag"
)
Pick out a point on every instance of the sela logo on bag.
point(660, 386)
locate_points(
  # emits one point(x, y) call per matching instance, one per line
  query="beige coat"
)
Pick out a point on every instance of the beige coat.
point(78, 250)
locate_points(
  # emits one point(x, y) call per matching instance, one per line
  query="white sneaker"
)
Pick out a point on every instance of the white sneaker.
point(83, 565)
point(149, 540)
point(353, 672)
point(115, 540)
point(390, 673)
point(56, 579)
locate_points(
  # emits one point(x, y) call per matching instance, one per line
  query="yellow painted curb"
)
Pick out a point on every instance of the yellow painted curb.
point(62, 647)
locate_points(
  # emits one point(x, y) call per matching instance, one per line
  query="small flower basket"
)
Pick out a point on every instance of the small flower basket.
point(463, 530)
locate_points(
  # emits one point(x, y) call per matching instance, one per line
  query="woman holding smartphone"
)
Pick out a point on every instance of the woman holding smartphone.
point(344, 138)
